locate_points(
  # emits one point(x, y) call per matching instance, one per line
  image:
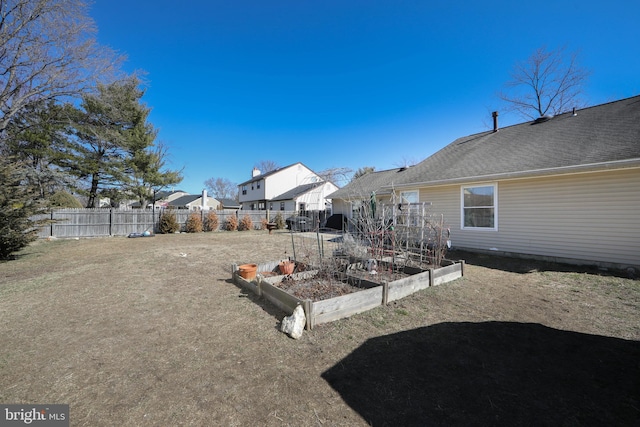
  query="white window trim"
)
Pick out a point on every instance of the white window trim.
point(416, 192)
point(495, 206)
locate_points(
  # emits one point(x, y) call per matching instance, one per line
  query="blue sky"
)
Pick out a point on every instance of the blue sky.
point(347, 83)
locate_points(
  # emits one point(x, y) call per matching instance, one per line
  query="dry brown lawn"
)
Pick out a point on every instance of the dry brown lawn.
point(135, 332)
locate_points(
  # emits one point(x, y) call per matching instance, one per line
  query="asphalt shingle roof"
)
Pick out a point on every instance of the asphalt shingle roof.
point(229, 203)
point(594, 136)
point(297, 191)
point(362, 186)
point(184, 200)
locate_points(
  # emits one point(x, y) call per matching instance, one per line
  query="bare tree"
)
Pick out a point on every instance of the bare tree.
point(222, 188)
point(363, 171)
point(265, 166)
point(549, 82)
point(407, 162)
point(337, 176)
point(47, 51)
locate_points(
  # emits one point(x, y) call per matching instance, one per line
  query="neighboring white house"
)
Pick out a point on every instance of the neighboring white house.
point(565, 188)
point(307, 197)
point(164, 197)
point(293, 187)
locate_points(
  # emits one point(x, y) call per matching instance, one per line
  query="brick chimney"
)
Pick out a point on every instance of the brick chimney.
point(255, 172)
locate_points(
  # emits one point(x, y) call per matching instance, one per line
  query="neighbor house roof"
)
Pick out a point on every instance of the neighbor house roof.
point(603, 136)
point(185, 200)
point(362, 186)
point(298, 191)
point(268, 174)
point(164, 194)
point(229, 203)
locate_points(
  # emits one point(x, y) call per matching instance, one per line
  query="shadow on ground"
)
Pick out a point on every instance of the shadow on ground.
point(528, 265)
point(269, 308)
point(491, 373)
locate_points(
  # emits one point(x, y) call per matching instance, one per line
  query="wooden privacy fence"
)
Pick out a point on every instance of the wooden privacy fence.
point(100, 222)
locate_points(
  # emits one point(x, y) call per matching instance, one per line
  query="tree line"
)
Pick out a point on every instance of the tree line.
point(72, 123)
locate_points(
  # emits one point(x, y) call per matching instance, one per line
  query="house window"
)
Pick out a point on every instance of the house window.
point(270, 206)
point(281, 206)
point(244, 189)
point(356, 209)
point(261, 206)
point(258, 184)
point(302, 207)
point(480, 207)
point(409, 197)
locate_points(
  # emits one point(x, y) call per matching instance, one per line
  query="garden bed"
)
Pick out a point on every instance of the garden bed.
point(326, 299)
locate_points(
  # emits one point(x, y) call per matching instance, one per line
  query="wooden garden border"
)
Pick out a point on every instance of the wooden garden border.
point(329, 310)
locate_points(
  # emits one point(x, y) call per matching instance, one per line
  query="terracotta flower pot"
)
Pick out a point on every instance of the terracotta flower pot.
point(248, 271)
point(287, 267)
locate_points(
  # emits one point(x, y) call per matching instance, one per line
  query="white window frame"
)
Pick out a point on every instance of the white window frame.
point(355, 208)
point(404, 194)
point(493, 185)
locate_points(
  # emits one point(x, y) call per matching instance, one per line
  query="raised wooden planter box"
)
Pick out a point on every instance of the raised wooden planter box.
point(329, 310)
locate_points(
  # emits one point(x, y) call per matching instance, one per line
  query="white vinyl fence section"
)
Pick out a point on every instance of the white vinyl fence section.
point(71, 223)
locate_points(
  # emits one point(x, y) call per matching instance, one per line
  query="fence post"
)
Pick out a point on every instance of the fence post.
point(110, 221)
point(51, 225)
point(385, 293)
point(308, 311)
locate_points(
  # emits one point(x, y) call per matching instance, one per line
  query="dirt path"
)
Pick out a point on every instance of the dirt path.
point(151, 331)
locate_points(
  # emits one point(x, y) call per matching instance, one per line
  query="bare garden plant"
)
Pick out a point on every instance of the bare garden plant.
point(395, 232)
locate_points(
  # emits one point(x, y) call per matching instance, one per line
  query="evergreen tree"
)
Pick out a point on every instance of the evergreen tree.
point(111, 145)
point(17, 206)
point(33, 137)
point(95, 148)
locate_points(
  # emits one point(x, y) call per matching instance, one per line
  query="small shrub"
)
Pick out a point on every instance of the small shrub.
point(279, 220)
point(168, 223)
point(232, 223)
point(211, 221)
point(194, 223)
point(245, 223)
point(263, 224)
point(62, 199)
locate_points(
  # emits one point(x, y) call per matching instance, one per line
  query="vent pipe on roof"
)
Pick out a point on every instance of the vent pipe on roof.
point(574, 111)
point(495, 121)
